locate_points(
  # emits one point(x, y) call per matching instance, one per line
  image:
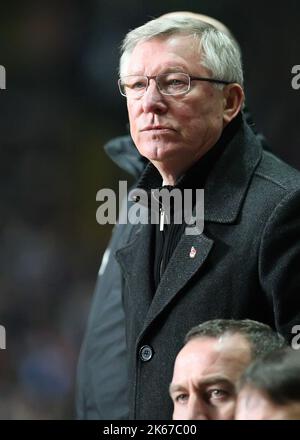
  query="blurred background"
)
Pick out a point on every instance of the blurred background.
point(60, 107)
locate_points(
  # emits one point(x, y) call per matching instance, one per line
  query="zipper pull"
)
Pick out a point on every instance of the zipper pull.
point(161, 220)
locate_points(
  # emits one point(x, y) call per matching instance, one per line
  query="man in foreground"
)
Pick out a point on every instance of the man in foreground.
point(208, 367)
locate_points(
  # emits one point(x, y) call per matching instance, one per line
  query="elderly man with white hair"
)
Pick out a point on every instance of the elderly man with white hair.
point(183, 83)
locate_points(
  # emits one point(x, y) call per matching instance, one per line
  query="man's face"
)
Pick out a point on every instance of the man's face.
point(174, 130)
point(253, 404)
point(205, 375)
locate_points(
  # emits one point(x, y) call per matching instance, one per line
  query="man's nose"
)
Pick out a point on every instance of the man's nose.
point(197, 410)
point(153, 100)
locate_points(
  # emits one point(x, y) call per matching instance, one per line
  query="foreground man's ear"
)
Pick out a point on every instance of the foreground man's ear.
point(233, 101)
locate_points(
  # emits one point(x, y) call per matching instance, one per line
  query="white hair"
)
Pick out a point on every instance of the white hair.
point(219, 53)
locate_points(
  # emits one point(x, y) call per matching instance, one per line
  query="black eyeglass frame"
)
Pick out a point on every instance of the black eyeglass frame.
point(191, 78)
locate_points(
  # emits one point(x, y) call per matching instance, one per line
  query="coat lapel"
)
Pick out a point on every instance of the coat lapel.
point(187, 259)
point(134, 259)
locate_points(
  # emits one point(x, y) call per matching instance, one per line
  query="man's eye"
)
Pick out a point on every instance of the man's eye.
point(175, 82)
point(138, 85)
point(217, 394)
point(181, 398)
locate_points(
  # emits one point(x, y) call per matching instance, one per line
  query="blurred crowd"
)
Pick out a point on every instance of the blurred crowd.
point(51, 244)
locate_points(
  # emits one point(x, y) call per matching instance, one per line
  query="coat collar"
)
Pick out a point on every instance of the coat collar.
point(228, 182)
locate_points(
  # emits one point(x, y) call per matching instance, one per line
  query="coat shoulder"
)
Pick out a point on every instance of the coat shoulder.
point(279, 175)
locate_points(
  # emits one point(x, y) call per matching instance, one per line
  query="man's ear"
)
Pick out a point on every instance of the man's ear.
point(233, 101)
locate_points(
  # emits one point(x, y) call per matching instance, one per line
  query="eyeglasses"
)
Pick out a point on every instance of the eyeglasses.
point(175, 83)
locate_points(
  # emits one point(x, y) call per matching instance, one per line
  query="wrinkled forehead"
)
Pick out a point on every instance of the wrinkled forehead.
point(184, 48)
point(233, 343)
point(225, 351)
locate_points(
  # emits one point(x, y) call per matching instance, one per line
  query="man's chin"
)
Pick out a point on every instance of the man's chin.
point(157, 151)
point(160, 156)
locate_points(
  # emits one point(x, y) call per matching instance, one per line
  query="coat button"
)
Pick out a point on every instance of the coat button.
point(146, 353)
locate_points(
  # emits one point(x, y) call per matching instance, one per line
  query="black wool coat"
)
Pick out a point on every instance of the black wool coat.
point(247, 265)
